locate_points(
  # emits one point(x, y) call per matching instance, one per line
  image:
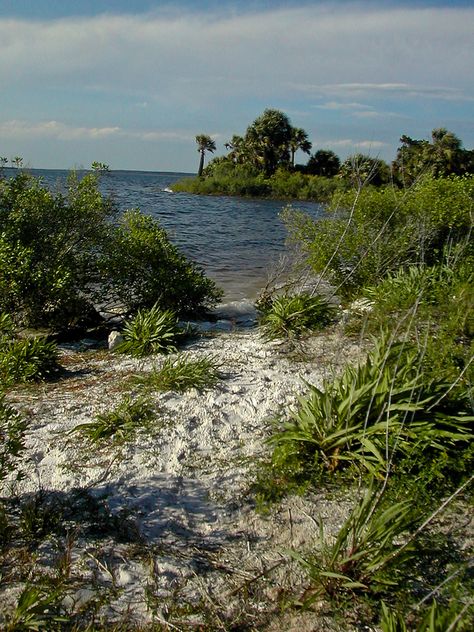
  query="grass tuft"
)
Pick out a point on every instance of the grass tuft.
point(150, 331)
point(119, 424)
point(290, 317)
point(181, 373)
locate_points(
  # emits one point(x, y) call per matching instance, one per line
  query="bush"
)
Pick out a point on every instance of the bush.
point(150, 331)
point(227, 178)
point(50, 245)
point(375, 232)
point(374, 415)
point(143, 268)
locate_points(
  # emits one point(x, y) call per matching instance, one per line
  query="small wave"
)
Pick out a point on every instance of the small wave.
point(242, 313)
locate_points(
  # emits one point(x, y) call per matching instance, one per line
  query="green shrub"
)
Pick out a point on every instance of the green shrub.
point(144, 268)
point(60, 254)
point(431, 304)
point(227, 178)
point(150, 331)
point(120, 424)
point(50, 245)
point(288, 317)
point(27, 360)
point(181, 373)
point(370, 234)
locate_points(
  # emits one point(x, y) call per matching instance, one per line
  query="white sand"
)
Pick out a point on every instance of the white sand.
point(181, 490)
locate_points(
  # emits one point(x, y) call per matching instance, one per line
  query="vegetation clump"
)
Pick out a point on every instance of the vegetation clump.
point(374, 414)
point(262, 163)
point(119, 424)
point(24, 359)
point(150, 331)
point(291, 317)
point(182, 373)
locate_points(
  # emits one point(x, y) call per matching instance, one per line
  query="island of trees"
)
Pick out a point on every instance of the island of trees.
point(262, 163)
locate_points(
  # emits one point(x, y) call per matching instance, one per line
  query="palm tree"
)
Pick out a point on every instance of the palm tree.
point(446, 152)
point(299, 140)
point(17, 161)
point(205, 143)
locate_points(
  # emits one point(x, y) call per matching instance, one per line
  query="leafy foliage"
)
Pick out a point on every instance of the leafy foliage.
point(181, 373)
point(150, 331)
point(50, 246)
point(361, 170)
point(37, 608)
point(323, 163)
point(144, 268)
point(365, 550)
point(62, 253)
point(436, 619)
point(374, 414)
point(205, 143)
point(441, 157)
point(373, 233)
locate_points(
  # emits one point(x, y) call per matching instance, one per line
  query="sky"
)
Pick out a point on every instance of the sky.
point(131, 82)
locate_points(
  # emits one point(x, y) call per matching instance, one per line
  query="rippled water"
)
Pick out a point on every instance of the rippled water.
point(235, 240)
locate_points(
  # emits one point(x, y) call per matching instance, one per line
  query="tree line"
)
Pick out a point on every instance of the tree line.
point(270, 144)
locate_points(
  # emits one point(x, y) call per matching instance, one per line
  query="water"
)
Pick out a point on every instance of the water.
point(235, 240)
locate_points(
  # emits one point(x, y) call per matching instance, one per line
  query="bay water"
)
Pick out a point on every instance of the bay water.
point(235, 240)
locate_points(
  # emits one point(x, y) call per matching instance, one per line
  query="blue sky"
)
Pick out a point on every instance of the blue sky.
point(132, 82)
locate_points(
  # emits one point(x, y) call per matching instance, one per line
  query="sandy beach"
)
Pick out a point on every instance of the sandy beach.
point(169, 518)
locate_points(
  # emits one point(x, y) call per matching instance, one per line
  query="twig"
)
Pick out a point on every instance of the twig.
point(255, 578)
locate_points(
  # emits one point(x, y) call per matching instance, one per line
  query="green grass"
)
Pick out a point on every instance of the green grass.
point(119, 424)
point(291, 317)
point(150, 331)
point(182, 373)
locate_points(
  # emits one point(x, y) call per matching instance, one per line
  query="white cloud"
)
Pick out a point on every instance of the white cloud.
point(356, 144)
point(17, 129)
point(336, 105)
point(53, 129)
point(163, 77)
point(391, 89)
point(323, 48)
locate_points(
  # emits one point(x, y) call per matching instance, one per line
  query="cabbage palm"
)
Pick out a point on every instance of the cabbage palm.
point(299, 140)
point(205, 143)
